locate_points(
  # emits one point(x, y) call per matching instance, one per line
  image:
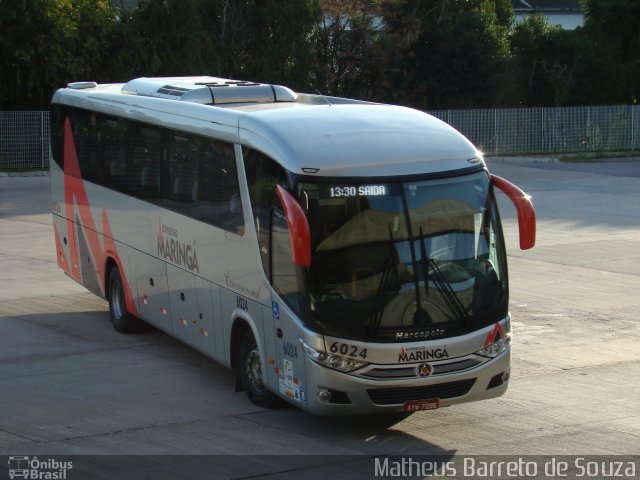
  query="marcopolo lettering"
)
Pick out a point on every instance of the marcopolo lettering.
point(175, 251)
point(438, 332)
point(418, 355)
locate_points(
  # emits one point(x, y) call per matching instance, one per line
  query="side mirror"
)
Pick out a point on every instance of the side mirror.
point(298, 227)
point(524, 207)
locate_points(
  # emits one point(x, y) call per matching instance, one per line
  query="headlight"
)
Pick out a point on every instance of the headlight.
point(496, 348)
point(336, 362)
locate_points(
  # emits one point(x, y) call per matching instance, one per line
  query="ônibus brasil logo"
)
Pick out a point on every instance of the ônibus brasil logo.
point(36, 469)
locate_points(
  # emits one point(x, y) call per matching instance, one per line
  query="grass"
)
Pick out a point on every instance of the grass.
point(579, 157)
point(22, 169)
point(595, 157)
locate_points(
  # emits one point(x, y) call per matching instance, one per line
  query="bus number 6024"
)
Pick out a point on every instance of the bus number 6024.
point(348, 350)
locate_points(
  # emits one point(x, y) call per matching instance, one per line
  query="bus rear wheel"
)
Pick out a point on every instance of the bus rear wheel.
point(250, 368)
point(121, 320)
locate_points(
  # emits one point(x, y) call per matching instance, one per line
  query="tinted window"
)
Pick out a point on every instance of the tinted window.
point(57, 134)
point(180, 172)
point(101, 144)
point(218, 190)
point(263, 174)
point(145, 160)
point(190, 174)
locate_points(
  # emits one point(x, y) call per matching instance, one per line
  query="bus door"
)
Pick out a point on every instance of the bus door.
point(290, 365)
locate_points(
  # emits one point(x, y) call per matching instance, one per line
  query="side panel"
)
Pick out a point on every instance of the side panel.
point(165, 252)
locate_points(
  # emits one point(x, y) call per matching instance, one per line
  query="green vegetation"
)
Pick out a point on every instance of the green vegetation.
point(428, 54)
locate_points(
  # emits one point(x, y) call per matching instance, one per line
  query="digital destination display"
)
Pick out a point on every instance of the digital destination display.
point(342, 191)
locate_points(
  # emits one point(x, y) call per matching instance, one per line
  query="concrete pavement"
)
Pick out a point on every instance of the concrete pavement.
point(69, 384)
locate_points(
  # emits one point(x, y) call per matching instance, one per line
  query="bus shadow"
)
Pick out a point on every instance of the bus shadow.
point(76, 346)
point(380, 434)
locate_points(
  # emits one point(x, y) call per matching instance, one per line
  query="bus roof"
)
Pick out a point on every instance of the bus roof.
point(307, 134)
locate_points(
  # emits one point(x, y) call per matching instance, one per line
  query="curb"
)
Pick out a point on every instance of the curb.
point(522, 160)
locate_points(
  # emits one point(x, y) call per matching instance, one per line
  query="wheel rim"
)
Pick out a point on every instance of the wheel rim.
point(117, 302)
point(254, 369)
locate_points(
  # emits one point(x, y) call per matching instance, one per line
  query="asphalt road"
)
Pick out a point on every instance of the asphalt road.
point(71, 385)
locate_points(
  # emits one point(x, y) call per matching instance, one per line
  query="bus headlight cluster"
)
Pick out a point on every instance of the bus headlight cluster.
point(496, 348)
point(336, 362)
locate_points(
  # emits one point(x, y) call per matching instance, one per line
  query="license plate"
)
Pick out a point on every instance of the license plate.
point(418, 405)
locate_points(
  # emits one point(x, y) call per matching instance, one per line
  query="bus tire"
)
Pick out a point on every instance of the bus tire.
point(250, 368)
point(121, 320)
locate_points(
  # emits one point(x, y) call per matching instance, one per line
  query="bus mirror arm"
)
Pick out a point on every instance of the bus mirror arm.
point(298, 227)
point(524, 207)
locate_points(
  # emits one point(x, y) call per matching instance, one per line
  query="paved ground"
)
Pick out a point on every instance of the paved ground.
point(69, 384)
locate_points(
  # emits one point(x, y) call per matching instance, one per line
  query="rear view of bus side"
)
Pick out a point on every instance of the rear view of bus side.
point(341, 255)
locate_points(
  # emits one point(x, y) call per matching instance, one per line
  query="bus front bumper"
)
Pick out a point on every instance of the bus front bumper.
point(330, 392)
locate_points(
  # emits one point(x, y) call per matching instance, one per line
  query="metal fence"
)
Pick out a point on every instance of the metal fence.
point(24, 136)
point(24, 140)
point(516, 131)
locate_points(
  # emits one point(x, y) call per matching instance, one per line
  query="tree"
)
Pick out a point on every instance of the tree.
point(342, 45)
point(462, 58)
point(279, 50)
point(559, 67)
point(617, 22)
point(47, 43)
point(167, 37)
point(613, 26)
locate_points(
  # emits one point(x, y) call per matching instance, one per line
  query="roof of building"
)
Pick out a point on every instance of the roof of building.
point(568, 6)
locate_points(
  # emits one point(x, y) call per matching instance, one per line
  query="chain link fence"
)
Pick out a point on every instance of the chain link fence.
point(24, 136)
point(517, 131)
point(24, 140)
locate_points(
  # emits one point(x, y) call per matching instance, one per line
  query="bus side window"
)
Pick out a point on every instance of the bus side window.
point(144, 161)
point(58, 116)
point(219, 193)
point(88, 136)
point(182, 171)
point(263, 174)
point(283, 271)
point(179, 170)
point(113, 139)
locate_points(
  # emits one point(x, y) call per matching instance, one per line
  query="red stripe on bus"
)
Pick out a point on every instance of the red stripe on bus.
point(75, 194)
point(61, 257)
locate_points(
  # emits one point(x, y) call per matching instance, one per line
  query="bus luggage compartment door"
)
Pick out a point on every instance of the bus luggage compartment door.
point(184, 304)
point(152, 288)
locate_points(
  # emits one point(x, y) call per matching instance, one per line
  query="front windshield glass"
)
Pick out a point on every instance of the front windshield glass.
point(404, 260)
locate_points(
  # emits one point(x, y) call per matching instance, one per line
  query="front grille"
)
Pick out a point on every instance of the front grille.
point(454, 366)
point(389, 373)
point(396, 396)
point(381, 373)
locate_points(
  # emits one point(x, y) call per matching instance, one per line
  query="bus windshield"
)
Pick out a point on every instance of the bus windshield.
point(404, 260)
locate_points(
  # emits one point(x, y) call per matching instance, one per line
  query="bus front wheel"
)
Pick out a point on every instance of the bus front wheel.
point(121, 320)
point(250, 368)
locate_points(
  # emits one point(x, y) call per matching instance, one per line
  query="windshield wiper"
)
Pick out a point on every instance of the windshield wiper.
point(450, 297)
point(388, 276)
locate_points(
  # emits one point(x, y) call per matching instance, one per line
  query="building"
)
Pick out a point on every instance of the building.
point(568, 14)
point(125, 4)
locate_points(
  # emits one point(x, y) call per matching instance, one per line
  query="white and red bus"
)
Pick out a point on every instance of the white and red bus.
point(345, 256)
